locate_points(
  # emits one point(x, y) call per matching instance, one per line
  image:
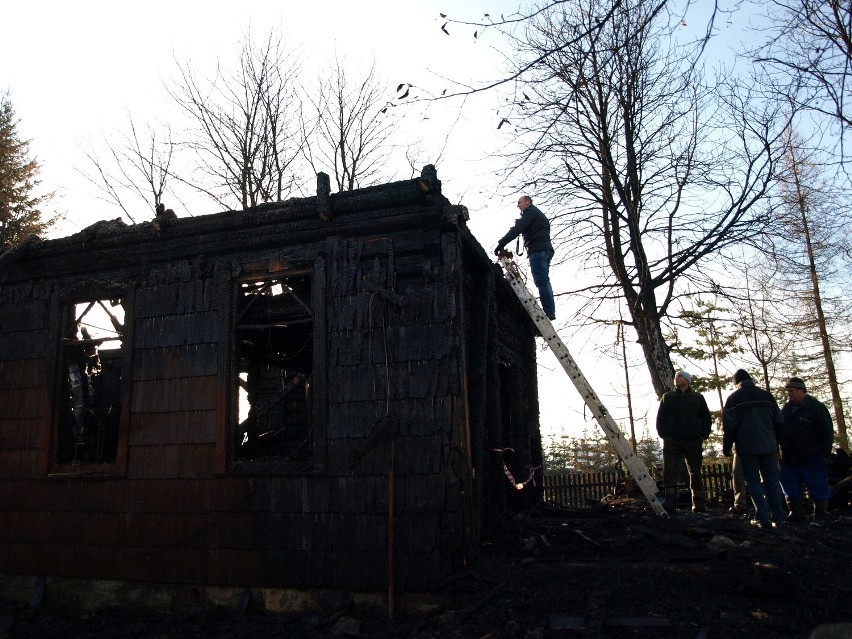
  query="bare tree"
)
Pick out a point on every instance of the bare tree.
point(761, 321)
point(247, 132)
point(655, 171)
point(132, 167)
point(808, 54)
point(811, 250)
point(350, 136)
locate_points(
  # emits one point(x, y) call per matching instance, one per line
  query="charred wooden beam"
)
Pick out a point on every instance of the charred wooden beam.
point(323, 201)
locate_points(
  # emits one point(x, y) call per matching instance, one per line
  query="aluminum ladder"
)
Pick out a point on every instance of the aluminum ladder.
point(621, 444)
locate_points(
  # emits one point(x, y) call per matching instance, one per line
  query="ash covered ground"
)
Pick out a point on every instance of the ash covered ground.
point(612, 569)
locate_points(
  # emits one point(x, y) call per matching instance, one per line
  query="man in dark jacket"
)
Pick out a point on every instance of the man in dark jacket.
point(753, 422)
point(806, 442)
point(683, 423)
point(535, 227)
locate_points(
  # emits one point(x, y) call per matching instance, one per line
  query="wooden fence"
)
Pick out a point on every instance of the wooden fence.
point(576, 489)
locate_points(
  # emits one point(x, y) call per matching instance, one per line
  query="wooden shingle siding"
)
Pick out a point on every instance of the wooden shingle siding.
point(23, 415)
point(174, 298)
point(178, 427)
point(21, 317)
point(182, 461)
point(169, 395)
point(16, 463)
point(176, 330)
point(22, 433)
point(24, 344)
point(192, 360)
point(409, 324)
point(23, 403)
point(22, 373)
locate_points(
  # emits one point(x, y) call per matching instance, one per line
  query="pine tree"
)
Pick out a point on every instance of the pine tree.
point(713, 338)
point(20, 212)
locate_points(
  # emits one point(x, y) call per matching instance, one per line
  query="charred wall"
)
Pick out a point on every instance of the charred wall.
point(353, 325)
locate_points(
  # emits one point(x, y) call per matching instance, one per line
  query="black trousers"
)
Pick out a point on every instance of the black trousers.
point(676, 449)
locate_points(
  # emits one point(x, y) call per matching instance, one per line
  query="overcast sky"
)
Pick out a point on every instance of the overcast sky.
point(76, 69)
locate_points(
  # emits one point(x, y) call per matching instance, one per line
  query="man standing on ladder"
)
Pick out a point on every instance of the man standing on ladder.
point(535, 227)
point(683, 423)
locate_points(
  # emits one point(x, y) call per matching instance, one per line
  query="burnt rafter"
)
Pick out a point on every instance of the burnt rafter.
point(278, 301)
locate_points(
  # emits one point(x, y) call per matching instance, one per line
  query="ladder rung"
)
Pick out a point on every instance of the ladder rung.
point(605, 421)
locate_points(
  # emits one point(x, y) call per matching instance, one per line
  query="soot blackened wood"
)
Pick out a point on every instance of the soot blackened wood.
point(404, 338)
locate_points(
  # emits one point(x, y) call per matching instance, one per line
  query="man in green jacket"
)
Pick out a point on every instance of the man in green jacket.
point(683, 423)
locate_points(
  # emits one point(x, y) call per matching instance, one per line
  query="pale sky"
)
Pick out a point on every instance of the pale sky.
point(76, 69)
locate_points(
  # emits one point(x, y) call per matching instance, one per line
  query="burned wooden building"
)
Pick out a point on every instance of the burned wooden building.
point(307, 394)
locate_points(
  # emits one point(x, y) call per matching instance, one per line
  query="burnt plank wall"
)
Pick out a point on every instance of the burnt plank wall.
point(24, 367)
point(175, 379)
point(409, 335)
point(502, 373)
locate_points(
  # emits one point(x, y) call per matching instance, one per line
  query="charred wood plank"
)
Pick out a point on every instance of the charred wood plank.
point(26, 316)
point(23, 403)
point(25, 345)
point(22, 433)
point(182, 427)
point(174, 298)
point(22, 373)
point(190, 360)
point(176, 461)
point(171, 395)
point(177, 330)
point(20, 463)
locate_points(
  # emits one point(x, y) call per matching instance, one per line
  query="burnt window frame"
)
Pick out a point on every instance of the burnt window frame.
point(62, 306)
point(259, 271)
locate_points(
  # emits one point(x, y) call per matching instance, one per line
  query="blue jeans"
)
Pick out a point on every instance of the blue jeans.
point(540, 268)
point(812, 472)
point(767, 499)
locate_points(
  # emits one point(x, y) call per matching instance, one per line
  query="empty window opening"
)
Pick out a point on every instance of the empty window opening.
point(274, 343)
point(92, 364)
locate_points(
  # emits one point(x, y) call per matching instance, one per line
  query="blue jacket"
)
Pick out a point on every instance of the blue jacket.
point(752, 421)
point(535, 227)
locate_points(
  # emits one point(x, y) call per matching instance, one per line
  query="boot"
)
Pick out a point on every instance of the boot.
point(670, 503)
point(820, 517)
point(796, 514)
point(699, 501)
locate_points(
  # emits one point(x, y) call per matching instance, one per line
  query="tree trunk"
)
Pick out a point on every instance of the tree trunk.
point(641, 301)
point(828, 357)
point(627, 384)
point(650, 334)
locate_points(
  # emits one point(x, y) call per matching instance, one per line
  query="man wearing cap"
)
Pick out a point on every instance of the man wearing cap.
point(683, 423)
point(753, 422)
point(806, 441)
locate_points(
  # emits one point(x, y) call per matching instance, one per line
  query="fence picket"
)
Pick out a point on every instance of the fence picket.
point(574, 489)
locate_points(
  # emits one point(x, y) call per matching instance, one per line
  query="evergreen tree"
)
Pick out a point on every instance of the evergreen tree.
point(714, 338)
point(20, 212)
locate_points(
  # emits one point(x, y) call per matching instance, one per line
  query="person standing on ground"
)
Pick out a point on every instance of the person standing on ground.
point(752, 422)
point(535, 227)
point(806, 440)
point(683, 423)
point(738, 484)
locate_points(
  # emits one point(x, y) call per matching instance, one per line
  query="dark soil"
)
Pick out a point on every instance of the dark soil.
point(610, 570)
